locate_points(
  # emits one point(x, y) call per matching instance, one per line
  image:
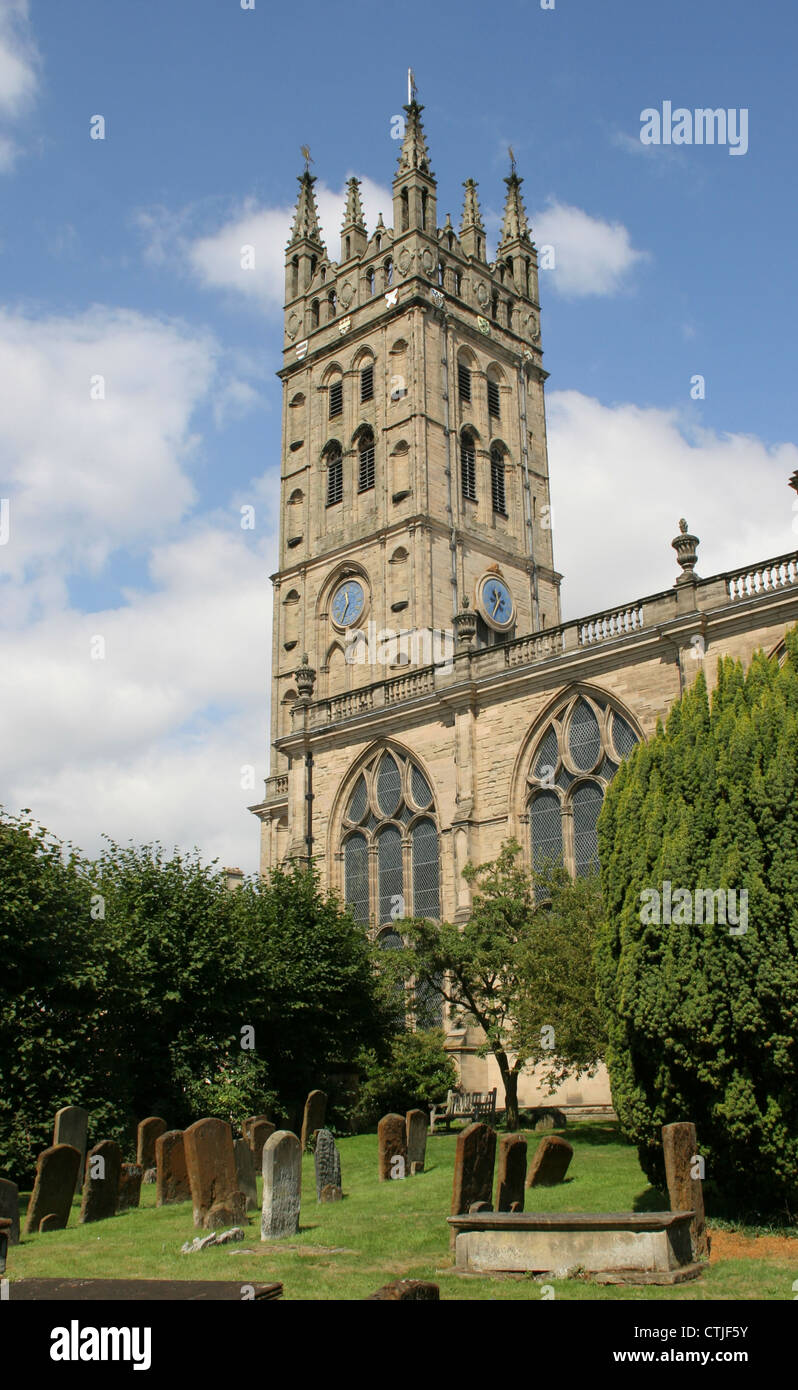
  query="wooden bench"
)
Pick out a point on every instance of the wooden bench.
point(464, 1105)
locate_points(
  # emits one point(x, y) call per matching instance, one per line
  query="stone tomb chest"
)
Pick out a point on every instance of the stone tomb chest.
point(597, 1242)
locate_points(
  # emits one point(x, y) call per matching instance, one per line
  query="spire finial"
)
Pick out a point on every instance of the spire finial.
point(512, 159)
point(305, 152)
point(411, 87)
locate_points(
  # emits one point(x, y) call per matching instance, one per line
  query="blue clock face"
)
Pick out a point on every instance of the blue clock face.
point(496, 602)
point(348, 603)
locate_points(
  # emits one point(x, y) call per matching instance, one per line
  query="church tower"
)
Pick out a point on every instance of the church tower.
point(414, 479)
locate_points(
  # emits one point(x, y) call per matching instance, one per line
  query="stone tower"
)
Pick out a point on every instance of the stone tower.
point(414, 462)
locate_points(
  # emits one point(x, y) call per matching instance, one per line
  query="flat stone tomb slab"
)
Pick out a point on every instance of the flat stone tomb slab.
point(539, 1242)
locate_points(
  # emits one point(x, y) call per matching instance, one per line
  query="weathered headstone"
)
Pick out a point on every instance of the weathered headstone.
point(211, 1167)
point(149, 1130)
point(9, 1208)
point(72, 1127)
point(416, 1122)
point(246, 1127)
point(230, 1211)
point(245, 1173)
point(260, 1131)
point(101, 1182)
point(172, 1175)
point(129, 1186)
point(54, 1187)
point(511, 1174)
point(408, 1291)
point(328, 1168)
point(50, 1223)
point(549, 1162)
point(150, 1175)
point(392, 1141)
point(282, 1185)
point(686, 1193)
point(473, 1167)
point(315, 1111)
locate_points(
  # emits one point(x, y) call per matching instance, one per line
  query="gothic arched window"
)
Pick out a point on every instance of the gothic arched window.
point(497, 489)
point(468, 466)
point(365, 458)
point(390, 843)
point(576, 757)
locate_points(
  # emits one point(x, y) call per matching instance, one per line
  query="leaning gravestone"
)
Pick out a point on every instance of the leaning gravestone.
point(171, 1173)
point(282, 1184)
point(9, 1208)
point(211, 1167)
point(246, 1126)
point(416, 1123)
point(392, 1141)
point(129, 1186)
point(328, 1168)
point(511, 1174)
point(72, 1127)
point(245, 1173)
point(101, 1183)
point(315, 1111)
point(260, 1130)
point(549, 1162)
point(686, 1193)
point(473, 1167)
point(149, 1131)
point(56, 1175)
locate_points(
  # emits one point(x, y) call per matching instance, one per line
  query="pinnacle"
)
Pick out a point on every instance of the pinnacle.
point(515, 226)
point(472, 216)
point(414, 154)
point(306, 217)
point(353, 214)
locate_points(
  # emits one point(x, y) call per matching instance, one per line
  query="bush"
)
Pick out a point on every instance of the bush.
point(702, 1019)
point(417, 1072)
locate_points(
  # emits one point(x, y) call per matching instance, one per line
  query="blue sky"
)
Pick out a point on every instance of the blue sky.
point(118, 258)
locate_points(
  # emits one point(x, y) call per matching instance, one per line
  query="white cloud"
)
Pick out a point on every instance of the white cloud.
point(623, 475)
point(19, 64)
point(592, 257)
point(216, 259)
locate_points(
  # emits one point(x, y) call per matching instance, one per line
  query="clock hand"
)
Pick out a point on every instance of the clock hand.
point(346, 605)
point(498, 595)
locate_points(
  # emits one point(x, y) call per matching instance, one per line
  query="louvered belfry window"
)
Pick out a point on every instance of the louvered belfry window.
point(497, 483)
point(335, 480)
point(365, 477)
point(336, 398)
point(367, 383)
point(463, 382)
point(468, 468)
point(493, 400)
point(575, 759)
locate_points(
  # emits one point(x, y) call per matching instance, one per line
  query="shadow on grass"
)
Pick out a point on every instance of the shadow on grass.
point(650, 1200)
point(594, 1134)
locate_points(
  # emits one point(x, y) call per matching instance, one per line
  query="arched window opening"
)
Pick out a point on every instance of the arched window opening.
point(464, 382)
point(335, 476)
point(388, 273)
point(468, 467)
point(370, 281)
point(367, 382)
point(441, 274)
point(497, 491)
point(295, 276)
point(423, 209)
point(356, 860)
point(405, 210)
point(365, 474)
point(336, 397)
point(314, 314)
point(494, 399)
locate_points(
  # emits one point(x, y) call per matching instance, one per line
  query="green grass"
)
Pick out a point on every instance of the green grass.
point(384, 1231)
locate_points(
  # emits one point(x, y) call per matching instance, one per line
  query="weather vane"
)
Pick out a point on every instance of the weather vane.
point(512, 158)
point(411, 87)
point(305, 152)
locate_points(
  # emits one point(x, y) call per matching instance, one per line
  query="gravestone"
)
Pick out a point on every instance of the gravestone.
point(101, 1193)
point(549, 1162)
point(245, 1173)
point(211, 1167)
point(416, 1123)
point(50, 1223)
point(149, 1130)
point(473, 1167)
point(231, 1210)
point(328, 1168)
point(72, 1127)
point(9, 1208)
point(260, 1131)
point(315, 1111)
point(246, 1127)
point(282, 1184)
point(56, 1175)
point(511, 1174)
point(685, 1192)
point(171, 1173)
point(5, 1236)
point(129, 1186)
point(392, 1140)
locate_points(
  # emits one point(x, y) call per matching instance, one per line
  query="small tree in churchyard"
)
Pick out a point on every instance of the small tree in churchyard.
point(698, 959)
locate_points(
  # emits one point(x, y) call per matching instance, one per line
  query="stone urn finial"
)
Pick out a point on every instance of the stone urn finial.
point(686, 547)
point(465, 627)
point(305, 679)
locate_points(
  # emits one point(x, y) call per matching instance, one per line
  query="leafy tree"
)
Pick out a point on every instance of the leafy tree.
point(417, 1072)
point(488, 969)
point(559, 1022)
point(702, 1014)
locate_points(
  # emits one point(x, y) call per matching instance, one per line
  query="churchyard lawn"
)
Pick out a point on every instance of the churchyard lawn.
point(383, 1231)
